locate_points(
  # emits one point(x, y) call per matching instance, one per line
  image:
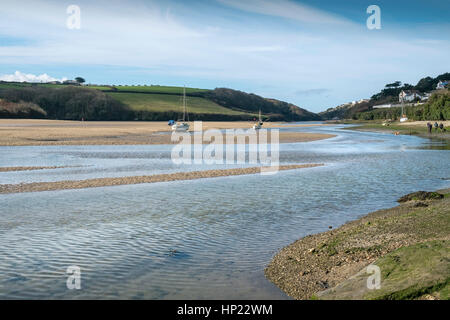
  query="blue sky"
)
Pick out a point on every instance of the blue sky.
point(315, 54)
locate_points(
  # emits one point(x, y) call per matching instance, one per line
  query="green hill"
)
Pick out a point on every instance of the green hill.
point(93, 102)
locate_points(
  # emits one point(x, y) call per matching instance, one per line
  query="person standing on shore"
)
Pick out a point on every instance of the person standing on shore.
point(436, 126)
point(430, 127)
point(441, 126)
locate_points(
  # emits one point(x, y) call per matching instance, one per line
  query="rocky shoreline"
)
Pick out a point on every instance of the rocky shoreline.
point(318, 266)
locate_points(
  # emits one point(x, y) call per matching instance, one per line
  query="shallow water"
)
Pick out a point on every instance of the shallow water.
point(208, 238)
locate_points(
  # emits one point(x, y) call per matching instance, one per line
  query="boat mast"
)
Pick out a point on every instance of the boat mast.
point(184, 103)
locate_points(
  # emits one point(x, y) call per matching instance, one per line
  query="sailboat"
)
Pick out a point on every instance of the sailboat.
point(258, 125)
point(182, 125)
point(403, 118)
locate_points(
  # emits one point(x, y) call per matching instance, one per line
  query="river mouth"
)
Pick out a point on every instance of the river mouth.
point(198, 239)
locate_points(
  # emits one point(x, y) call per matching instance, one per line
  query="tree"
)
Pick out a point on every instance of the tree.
point(396, 84)
point(80, 80)
point(426, 84)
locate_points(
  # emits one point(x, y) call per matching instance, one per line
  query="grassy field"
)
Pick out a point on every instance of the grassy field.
point(168, 102)
point(143, 89)
point(153, 89)
point(8, 85)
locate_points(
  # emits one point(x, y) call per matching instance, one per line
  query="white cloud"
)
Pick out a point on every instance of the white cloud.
point(28, 77)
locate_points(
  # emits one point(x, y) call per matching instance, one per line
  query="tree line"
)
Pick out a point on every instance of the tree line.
point(70, 103)
point(76, 103)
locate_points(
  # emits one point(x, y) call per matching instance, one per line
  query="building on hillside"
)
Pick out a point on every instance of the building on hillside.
point(442, 84)
point(71, 82)
point(409, 96)
point(426, 96)
point(382, 106)
point(359, 101)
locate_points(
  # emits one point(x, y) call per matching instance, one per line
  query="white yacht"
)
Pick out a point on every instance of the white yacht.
point(182, 125)
point(258, 125)
point(403, 118)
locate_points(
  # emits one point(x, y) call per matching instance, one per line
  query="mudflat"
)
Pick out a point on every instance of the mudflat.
point(28, 132)
point(105, 182)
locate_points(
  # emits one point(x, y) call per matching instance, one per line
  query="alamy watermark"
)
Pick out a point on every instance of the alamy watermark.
point(74, 279)
point(74, 19)
point(374, 280)
point(374, 20)
point(227, 147)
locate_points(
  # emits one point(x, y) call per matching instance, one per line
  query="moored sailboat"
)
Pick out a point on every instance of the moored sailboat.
point(258, 125)
point(182, 125)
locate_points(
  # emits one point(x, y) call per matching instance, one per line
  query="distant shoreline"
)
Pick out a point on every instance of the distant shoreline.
point(416, 128)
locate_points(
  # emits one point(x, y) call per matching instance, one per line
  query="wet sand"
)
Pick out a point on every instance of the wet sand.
point(106, 182)
point(29, 132)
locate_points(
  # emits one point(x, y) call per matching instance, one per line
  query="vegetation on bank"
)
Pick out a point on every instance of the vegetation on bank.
point(410, 243)
point(59, 101)
point(436, 108)
point(419, 271)
point(404, 129)
point(21, 110)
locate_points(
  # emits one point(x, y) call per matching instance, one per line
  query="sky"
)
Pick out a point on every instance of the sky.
point(315, 54)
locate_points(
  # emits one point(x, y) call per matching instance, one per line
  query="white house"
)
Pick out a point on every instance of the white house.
point(442, 84)
point(382, 106)
point(409, 95)
point(426, 96)
point(360, 101)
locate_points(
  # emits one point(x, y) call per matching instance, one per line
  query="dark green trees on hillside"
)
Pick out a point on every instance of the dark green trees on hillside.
point(275, 109)
point(71, 103)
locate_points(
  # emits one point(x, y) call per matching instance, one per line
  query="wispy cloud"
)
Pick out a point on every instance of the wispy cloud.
point(256, 49)
point(287, 9)
point(312, 92)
